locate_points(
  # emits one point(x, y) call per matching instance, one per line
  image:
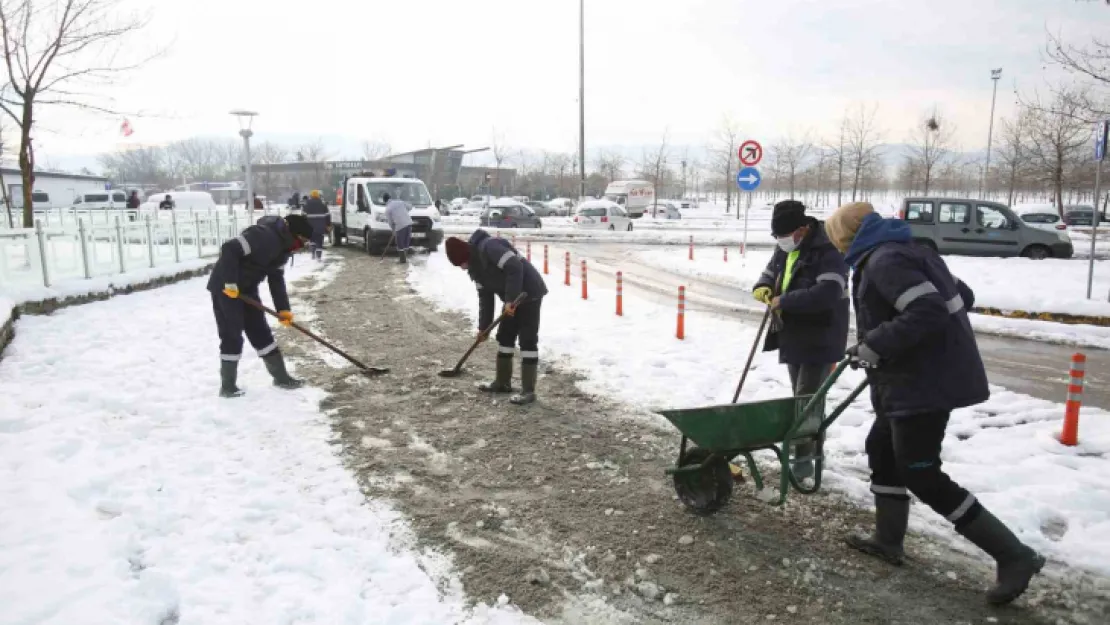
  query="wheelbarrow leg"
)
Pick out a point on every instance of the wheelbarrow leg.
point(754, 470)
point(784, 476)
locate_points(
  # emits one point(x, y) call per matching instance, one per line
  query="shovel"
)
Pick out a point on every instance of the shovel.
point(385, 250)
point(364, 368)
point(457, 371)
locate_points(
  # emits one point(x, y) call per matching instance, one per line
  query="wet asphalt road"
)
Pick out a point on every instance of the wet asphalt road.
point(1034, 368)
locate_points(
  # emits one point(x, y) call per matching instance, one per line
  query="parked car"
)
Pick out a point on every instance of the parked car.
point(1081, 215)
point(602, 215)
point(668, 209)
point(507, 213)
point(539, 208)
point(561, 206)
point(978, 228)
point(100, 200)
point(458, 203)
point(182, 201)
point(1041, 217)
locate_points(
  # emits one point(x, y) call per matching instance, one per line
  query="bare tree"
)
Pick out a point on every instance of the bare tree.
point(1013, 157)
point(375, 150)
point(269, 153)
point(500, 153)
point(930, 144)
point(1055, 134)
point(728, 140)
point(862, 142)
point(1091, 62)
point(4, 187)
point(610, 163)
point(54, 50)
point(652, 168)
point(837, 153)
point(791, 154)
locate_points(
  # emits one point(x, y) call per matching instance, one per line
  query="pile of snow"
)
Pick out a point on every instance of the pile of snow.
point(102, 284)
point(129, 493)
point(1056, 498)
point(7, 306)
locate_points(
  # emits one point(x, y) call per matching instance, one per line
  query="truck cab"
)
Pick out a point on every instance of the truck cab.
point(634, 196)
point(362, 213)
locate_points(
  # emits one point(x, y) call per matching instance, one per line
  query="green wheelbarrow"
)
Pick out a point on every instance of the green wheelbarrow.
point(702, 478)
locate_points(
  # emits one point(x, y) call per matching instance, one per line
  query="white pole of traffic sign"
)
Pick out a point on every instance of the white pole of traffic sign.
point(1100, 154)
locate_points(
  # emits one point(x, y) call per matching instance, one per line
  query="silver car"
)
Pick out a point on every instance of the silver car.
point(979, 228)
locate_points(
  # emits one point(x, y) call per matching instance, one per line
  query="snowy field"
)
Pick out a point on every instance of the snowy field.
point(129, 493)
point(1057, 498)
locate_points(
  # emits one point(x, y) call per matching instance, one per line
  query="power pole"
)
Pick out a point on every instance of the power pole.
point(995, 75)
point(582, 98)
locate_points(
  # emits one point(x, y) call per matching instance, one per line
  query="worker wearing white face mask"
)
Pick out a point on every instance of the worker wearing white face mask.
point(806, 286)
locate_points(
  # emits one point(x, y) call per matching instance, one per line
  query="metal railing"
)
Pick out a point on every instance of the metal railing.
point(76, 247)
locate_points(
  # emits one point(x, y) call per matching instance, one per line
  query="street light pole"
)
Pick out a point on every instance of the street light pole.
point(581, 99)
point(245, 118)
point(995, 75)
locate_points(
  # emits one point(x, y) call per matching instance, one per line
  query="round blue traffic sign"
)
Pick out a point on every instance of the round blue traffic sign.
point(748, 179)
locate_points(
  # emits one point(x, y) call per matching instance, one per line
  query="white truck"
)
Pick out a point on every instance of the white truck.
point(634, 196)
point(362, 214)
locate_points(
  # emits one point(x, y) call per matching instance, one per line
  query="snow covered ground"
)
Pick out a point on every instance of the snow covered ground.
point(129, 493)
point(1057, 498)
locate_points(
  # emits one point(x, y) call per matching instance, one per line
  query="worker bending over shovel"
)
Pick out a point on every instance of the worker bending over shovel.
point(806, 286)
point(259, 253)
point(498, 268)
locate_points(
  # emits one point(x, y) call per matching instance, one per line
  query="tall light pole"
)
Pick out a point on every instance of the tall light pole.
point(245, 119)
point(995, 75)
point(581, 99)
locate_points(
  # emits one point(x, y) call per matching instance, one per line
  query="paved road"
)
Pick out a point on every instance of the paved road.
point(1034, 368)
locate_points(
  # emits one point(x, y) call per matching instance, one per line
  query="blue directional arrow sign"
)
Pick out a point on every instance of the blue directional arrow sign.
point(748, 179)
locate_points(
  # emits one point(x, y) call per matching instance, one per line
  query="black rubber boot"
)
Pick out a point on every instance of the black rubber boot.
point(1017, 563)
point(402, 257)
point(275, 364)
point(803, 468)
point(504, 381)
point(229, 372)
point(527, 395)
point(891, 518)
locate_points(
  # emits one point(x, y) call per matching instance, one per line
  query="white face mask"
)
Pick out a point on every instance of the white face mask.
point(787, 244)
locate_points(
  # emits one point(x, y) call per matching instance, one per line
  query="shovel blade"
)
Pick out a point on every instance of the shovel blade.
point(450, 373)
point(371, 371)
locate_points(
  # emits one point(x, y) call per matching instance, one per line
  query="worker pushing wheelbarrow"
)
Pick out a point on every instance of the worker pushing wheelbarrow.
point(702, 478)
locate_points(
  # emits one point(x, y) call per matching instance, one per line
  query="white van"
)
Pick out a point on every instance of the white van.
point(363, 213)
point(100, 200)
point(635, 196)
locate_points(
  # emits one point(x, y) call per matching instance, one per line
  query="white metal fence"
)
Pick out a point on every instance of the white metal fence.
point(73, 245)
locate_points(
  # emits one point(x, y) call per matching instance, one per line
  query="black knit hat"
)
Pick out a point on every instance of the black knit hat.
point(788, 216)
point(299, 226)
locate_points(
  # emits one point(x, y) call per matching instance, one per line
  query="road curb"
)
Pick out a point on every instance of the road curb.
point(1090, 320)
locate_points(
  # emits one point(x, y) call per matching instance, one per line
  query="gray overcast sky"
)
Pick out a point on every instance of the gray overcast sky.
point(414, 72)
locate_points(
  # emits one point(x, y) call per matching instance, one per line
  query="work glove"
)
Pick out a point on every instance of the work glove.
point(762, 294)
point(860, 355)
point(285, 318)
point(509, 310)
point(231, 290)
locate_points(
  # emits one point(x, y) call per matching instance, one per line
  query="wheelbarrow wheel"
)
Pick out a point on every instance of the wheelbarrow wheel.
point(707, 490)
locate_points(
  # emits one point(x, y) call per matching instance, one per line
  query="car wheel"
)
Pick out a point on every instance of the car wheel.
point(366, 242)
point(926, 243)
point(630, 227)
point(612, 227)
point(1037, 252)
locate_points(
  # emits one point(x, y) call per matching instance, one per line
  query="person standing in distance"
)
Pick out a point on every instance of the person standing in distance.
point(397, 212)
point(258, 254)
point(806, 286)
point(919, 351)
point(320, 219)
point(498, 268)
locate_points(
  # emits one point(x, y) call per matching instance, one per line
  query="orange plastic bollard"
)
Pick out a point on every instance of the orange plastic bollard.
point(681, 331)
point(528, 250)
point(585, 292)
point(726, 254)
point(545, 260)
point(691, 247)
point(567, 280)
point(620, 294)
point(1070, 435)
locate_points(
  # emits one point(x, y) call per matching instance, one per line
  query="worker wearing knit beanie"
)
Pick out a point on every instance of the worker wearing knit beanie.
point(916, 343)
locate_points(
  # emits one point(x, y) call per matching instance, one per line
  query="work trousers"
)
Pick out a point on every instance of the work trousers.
point(904, 456)
point(233, 317)
point(404, 238)
point(525, 326)
point(806, 379)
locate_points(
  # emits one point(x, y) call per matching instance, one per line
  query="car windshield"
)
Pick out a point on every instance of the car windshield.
point(619, 199)
point(591, 212)
point(412, 192)
point(1040, 218)
point(97, 197)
